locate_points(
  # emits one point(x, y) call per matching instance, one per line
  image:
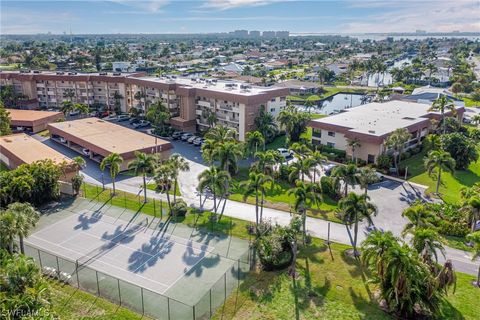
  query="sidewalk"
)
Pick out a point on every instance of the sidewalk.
point(316, 227)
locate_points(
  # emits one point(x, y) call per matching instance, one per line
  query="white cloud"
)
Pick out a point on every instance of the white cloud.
point(406, 16)
point(150, 6)
point(230, 4)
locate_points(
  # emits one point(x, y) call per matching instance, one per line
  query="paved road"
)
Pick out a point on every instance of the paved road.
point(391, 198)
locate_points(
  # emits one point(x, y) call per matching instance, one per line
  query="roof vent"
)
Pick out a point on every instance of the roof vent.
point(408, 118)
point(371, 131)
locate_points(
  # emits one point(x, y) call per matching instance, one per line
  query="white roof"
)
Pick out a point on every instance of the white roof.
point(430, 89)
point(378, 119)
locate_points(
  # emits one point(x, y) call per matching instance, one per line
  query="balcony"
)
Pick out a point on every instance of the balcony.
point(206, 104)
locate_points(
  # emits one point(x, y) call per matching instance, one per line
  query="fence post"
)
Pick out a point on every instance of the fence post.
point(238, 274)
point(225, 284)
point(154, 209)
point(40, 259)
point(58, 266)
point(98, 284)
point(76, 272)
point(210, 291)
point(193, 312)
point(119, 292)
point(143, 305)
point(168, 307)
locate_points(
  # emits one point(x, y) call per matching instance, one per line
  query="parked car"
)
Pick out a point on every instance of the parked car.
point(133, 120)
point(111, 117)
point(380, 176)
point(328, 168)
point(74, 113)
point(63, 140)
point(198, 142)
point(177, 135)
point(191, 139)
point(285, 153)
point(186, 136)
point(86, 152)
point(141, 124)
point(123, 117)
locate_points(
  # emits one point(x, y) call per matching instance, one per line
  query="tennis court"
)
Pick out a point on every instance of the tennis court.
point(138, 260)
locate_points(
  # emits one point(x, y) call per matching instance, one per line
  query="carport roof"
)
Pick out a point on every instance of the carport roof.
point(103, 137)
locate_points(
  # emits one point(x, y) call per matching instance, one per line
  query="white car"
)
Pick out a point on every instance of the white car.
point(191, 139)
point(285, 153)
point(186, 136)
point(63, 140)
point(86, 151)
point(74, 113)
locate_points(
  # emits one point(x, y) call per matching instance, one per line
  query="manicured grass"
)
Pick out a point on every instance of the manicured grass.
point(71, 303)
point(327, 288)
point(471, 103)
point(151, 186)
point(44, 133)
point(451, 183)
point(277, 198)
point(278, 142)
point(457, 243)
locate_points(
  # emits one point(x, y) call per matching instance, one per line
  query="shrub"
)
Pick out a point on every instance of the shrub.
point(406, 155)
point(77, 182)
point(327, 186)
point(456, 229)
point(384, 161)
point(179, 208)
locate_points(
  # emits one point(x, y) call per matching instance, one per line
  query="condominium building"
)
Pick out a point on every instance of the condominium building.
point(235, 104)
point(372, 123)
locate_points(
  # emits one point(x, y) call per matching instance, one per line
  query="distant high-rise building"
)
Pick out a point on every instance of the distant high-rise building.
point(254, 34)
point(282, 34)
point(420, 31)
point(241, 33)
point(268, 34)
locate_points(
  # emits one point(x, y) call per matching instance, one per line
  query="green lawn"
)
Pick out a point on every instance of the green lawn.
point(328, 287)
point(151, 186)
point(451, 183)
point(44, 133)
point(278, 142)
point(276, 197)
point(471, 103)
point(71, 303)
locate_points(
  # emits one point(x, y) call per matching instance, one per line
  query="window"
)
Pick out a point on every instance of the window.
point(273, 100)
point(272, 110)
point(317, 133)
point(331, 134)
point(331, 144)
point(371, 158)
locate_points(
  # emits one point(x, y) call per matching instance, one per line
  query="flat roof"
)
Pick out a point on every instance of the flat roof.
point(379, 119)
point(103, 137)
point(28, 150)
point(32, 115)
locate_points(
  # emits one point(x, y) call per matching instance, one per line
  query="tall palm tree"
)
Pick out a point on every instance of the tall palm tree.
point(265, 123)
point(443, 104)
point(254, 139)
point(301, 168)
point(419, 216)
point(68, 94)
point(305, 193)
point(164, 176)
point(318, 158)
point(82, 108)
point(143, 163)
point(26, 217)
point(228, 154)
point(79, 162)
point(427, 242)
point(396, 141)
point(179, 164)
point(354, 209)
point(67, 107)
point(439, 161)
point(347, 174)
point(221, 134)
point(8, 230)
point(207, 150)
point(113, 161)
point(255, 185)
point(375, 249)
point(118, 104)
point(474, 238)
point(354, 144)
point(300, 149)
point(365, 177)
point(266, 161)
point(214, 180)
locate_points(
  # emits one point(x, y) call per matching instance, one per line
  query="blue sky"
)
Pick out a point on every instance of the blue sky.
point(201, 16)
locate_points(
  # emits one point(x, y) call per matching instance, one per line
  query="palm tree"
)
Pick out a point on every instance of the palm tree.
point(366, 176)
point(305, 193)
point(440, 161)
point(419, 216)
point(476, 119)
point(117, 105)
point(26, 217)
point(300, 149)
point(318, 158)
point(300, 168)
point(163, 177)
point(143, 163)
point(396, 141)
point(354, 144)
point(294, 122)
point(266, 124)
point(354, 209)
point(432, 142)
point(8, 230)
point(208, 147)
point(348, 174)
point(375, 249)
point(426, 242)
point(221, 134)
point(68, 94)
point(178, 164)
point(114, 161)
point(210, 117)
point(474, 238)
point(228, 154)
point(254, 139)
point(79, 162)
point(442, 104)
point(81, 107)
point(67, 107)
point(214, 180)
point(256, 185)
point(266, 161)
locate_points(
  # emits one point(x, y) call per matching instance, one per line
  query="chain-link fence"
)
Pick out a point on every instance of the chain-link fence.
point(141, 300)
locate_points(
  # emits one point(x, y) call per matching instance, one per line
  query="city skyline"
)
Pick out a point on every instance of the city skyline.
point(162, 16)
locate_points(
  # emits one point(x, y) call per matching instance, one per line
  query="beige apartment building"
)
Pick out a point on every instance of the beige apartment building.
point(235, 104)
point(372, 123)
